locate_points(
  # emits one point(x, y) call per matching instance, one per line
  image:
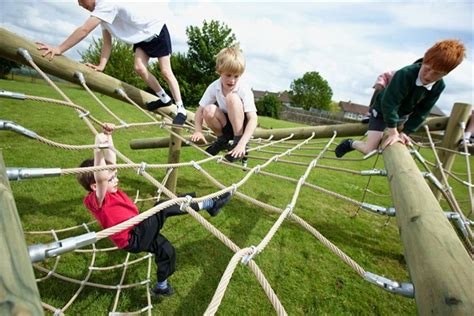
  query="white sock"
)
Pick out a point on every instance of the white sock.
point(467, 135)
point(180, 106)
point(165, 98)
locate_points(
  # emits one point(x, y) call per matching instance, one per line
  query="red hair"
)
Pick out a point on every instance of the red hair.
point(445, 55)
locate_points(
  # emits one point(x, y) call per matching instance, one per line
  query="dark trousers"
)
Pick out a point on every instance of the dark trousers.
point(146, 237)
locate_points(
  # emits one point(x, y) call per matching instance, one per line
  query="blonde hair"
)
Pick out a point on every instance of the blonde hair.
point(230, 60)
point(445, 55)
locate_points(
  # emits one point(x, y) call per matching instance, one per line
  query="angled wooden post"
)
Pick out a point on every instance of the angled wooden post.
point(453, 134)
point(440, 268)
point(173, 157)
point(19, 293)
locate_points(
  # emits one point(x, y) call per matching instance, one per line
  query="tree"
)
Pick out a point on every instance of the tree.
point(204, 44)
point(120, 64)
point(6, 66)
point(311, 91)
point(269, 105)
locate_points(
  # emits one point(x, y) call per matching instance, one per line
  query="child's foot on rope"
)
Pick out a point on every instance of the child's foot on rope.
point(153, 105)
point(219, 202)
point(344, 147)
point(179, 119)
point(219, 144)
point(156, 292)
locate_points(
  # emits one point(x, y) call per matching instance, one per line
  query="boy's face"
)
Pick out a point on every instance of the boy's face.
point(429, 75)
point(229, 80)
point(112, 182)
point(87, 4)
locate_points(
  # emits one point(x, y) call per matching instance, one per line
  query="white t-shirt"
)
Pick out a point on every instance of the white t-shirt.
point(214, 93)
point(128, 21)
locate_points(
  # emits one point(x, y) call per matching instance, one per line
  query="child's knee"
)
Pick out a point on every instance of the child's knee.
point(209, 111)
point(140, 69)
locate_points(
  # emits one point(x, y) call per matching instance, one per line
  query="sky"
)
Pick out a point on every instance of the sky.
point(348, 42)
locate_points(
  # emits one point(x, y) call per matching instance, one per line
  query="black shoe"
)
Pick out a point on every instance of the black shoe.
point(219, 144)
point(219, 202)
point(156, 292)
point(344, 147)
point(153, 105)
point(179, 119)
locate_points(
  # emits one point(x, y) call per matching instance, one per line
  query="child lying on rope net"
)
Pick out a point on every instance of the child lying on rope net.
point(111, 206)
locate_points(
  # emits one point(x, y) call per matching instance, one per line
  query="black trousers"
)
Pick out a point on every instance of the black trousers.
point(146, 236)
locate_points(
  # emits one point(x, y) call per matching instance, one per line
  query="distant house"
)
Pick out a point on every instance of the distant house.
point(356, 111)
point(282, 96)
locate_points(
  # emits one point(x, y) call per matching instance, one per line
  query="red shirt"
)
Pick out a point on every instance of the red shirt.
point(116, 208)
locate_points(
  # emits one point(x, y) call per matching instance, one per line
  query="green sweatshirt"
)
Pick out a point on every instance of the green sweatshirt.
point(403, 97)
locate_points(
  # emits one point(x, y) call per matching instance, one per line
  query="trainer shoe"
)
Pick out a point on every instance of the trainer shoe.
point(156, 292)
point(179, 119)
point(153, 105)
point(219, 202)
point(365, 119)
point(344, 147)
point(219, 144)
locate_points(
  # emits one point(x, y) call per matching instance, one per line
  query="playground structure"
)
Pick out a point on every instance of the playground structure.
point(432, 247)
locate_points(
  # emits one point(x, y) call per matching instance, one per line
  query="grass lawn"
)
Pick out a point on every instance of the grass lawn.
point(307, 277)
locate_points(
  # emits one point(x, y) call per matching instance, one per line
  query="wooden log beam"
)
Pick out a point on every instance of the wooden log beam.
point(173, 157)
point(440, 268)
point(325, 131)
point(19, 293)
point(64, 68)
point(454, 132)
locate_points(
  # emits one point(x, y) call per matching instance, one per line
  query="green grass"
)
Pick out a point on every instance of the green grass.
point(306, 276)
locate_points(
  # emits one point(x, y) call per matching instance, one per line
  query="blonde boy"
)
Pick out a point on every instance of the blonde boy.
point(227, 107)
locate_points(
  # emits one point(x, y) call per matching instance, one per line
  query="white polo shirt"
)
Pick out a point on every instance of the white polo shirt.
point(214, 94)
point(128, 21)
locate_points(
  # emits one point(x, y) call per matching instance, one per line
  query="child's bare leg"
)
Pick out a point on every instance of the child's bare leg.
point(235, 109)
point(168, 75)
point(141, 68)
point(214, 118)
point(373, 141)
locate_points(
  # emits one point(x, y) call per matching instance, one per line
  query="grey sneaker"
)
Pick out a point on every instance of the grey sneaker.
point(219, 202)
point(156, 292)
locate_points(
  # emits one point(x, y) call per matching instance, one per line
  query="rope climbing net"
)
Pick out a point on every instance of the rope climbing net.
point(285, 151)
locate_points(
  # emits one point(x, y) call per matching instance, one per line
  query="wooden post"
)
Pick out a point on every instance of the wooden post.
point(453, 133)
point(19, 293)
point(440, 268)
point(65, 68)
point(325, 131)
point(173, 157)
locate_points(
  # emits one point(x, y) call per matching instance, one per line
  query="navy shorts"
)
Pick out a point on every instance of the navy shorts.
point(377, 123)
point(158, 46)
point(228, 131)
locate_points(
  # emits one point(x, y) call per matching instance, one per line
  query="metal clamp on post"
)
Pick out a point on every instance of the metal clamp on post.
point(245, 259)
point(404, 289)
point(374, 172)
point(390, 211)
point(455, 217)
point(434, 180)
point(12, 126)
point(196, 165)
point(142, 168)
point(103, 146)
point(186, 203)
point(12, 95)
point(120, 92)
point(27, 173)
point(24, 53)
point(80, 77)
point(39, 252)
point(418, 155)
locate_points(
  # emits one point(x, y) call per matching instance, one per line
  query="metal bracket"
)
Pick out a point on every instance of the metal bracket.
point(404, 289)
point(39, 252)
point(13, 95)
point(24, 53)
point(27, 173)
point(80, 76)
point(374, 172)
point(12, 126)
point(245, 259)
point(389, 211)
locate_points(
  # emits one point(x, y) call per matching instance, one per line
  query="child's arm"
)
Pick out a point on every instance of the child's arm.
point(239, 150)
point(105, 54)
point(198, 135)
point(78, 35)
point(100, 158)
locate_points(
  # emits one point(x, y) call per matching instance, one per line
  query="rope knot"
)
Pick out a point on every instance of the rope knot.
point(186, 203)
